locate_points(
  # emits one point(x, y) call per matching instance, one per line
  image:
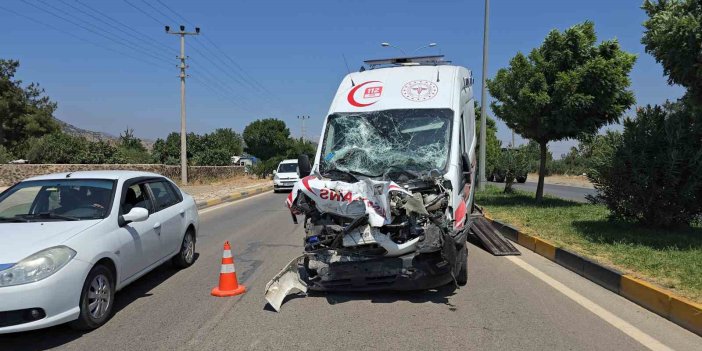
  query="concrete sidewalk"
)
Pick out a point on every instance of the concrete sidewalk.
point(203, 193)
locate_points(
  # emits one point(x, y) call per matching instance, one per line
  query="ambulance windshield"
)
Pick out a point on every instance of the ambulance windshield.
point(372, 143)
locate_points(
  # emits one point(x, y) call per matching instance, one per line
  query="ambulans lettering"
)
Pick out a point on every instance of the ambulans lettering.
point(333, 195)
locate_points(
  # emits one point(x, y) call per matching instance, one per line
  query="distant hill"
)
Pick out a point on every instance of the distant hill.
point(96, 136)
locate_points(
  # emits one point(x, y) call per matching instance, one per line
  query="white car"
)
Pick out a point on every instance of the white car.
point(285, 176)
point(69, 241)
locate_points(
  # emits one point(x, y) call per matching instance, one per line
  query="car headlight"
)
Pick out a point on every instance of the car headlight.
point(37, 266)
point(275, 177)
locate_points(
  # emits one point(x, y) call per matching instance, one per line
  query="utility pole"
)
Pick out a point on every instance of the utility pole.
point(302, 128)
point(483, 106)
point(183, 66)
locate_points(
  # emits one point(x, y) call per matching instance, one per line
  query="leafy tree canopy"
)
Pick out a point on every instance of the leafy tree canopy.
point(266, 138)
point(25, 111)
point(673, 36)
point(567, 87)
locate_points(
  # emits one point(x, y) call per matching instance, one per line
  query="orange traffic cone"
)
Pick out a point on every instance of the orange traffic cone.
point(228, 284)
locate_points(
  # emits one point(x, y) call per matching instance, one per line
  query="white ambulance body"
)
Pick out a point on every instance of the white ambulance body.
point(420, 87)
point(387, 199)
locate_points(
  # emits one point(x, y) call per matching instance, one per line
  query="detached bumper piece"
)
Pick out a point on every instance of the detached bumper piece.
point(286, 282)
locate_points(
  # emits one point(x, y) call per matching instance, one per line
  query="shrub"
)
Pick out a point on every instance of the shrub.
point(64, 148)
point(513, 162)
point(655, 175)
point(5, 155)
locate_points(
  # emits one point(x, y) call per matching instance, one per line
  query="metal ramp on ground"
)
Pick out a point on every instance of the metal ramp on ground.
point(490, 238)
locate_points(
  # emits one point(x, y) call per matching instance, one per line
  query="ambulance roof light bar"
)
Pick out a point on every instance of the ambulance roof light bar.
point(433, 60)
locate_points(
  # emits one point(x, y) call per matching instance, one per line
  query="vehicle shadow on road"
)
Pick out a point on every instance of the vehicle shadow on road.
point(439, 296)
point(43, 339)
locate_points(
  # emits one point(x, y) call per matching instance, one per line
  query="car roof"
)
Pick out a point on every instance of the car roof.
point(288, 161)
point(106, 174)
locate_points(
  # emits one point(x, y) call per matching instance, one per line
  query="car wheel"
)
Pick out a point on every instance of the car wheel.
point(186, 256)
point(96, 299)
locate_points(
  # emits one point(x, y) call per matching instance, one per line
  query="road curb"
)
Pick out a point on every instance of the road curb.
point(233, 197)
point(667, 304)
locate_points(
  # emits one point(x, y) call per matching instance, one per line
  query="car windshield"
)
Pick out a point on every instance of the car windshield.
point(372, 143)
point(287, 168)
point(56, 200)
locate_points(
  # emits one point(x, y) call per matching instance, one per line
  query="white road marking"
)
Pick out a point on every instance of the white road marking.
point(628, 329)
point(226, 204)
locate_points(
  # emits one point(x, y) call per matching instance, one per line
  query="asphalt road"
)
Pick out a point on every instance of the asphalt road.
point(525, 303)
point(565, 192)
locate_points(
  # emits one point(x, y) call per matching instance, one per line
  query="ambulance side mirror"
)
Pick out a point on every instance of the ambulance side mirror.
point(303, 166)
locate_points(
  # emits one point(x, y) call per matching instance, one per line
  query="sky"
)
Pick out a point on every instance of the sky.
point(281, 59)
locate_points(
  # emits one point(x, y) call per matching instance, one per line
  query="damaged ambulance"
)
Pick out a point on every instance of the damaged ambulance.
point(386, 203)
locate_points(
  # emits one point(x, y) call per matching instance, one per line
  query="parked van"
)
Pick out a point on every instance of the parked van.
point(387, 199)
point(285, 176)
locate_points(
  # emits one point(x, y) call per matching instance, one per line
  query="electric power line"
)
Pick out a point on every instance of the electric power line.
point(148, 46)
point(119, 23)
point(97, 44)
point(244, 76)
point(91, 30)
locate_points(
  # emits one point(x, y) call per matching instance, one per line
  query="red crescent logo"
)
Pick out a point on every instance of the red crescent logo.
point(353, 101)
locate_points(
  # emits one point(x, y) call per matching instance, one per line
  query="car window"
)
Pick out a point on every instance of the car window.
point(61, 199)
point(287, 168)
point(136, 196)
point(164, 196)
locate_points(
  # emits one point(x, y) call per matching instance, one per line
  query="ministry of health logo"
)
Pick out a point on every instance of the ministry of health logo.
point(419, 90)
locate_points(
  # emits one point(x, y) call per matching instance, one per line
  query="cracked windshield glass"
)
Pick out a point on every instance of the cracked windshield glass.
point(372, 143)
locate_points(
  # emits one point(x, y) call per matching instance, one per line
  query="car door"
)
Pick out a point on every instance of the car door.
point(170, 215)
point(140, 240)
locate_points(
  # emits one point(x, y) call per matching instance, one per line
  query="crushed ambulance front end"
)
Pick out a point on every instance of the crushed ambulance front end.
point(372, 235)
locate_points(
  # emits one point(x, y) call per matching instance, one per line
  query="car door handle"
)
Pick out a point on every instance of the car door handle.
point(157, 225)
point(182, 211)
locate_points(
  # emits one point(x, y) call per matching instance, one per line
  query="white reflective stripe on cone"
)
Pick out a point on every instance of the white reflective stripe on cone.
point(227, 268)
point(226, 253)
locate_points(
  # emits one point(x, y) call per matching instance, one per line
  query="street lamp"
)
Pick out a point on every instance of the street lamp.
point(386, 45)
point(430, 45)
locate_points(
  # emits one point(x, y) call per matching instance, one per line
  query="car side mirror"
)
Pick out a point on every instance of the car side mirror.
point(275, 172)
point(303, 166)
point(137, 214)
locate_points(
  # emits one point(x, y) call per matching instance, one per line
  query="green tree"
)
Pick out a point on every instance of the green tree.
point(567, 87)
point(212, 157)
point(129, 141)
point(266, 138)
point(494, 145)
point(167, 151)
point(25, 112)
point(673, 36)
point(130, 149)
point(227, 140)
point(299, 147)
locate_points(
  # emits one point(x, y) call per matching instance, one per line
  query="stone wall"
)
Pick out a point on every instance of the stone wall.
point(11, 174)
